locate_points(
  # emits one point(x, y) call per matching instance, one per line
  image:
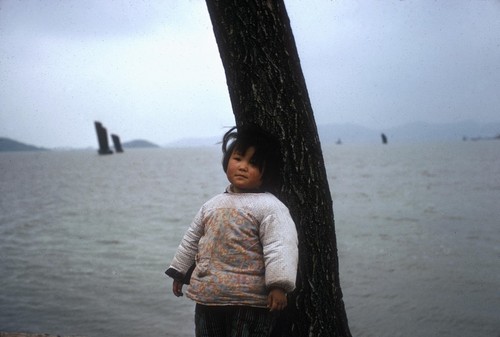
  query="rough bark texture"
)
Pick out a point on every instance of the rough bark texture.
point(267, 87)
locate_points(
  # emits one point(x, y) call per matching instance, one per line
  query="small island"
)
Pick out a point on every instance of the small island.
point(139, 144)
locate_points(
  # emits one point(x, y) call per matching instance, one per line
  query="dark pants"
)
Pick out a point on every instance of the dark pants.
point(232, 321)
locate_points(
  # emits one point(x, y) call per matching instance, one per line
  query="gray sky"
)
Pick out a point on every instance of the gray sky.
point(151, 69)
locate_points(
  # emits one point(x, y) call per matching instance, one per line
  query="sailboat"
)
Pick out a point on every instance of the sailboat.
point(117, 144)
point(102, 138)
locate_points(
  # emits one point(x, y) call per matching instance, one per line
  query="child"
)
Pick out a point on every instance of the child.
point(243, 243)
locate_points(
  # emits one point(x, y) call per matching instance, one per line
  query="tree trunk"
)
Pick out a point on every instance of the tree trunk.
point(267, 88)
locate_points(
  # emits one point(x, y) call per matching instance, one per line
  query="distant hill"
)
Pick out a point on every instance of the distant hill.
point(464, 130)
point(139, 144)
point(10, 145)
point(347, 133)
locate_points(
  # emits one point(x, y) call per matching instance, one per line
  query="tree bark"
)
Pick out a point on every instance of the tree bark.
point(267, 88)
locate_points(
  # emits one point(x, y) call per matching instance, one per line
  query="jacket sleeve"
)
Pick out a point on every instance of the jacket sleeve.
point(278, 236)
point(183, 262)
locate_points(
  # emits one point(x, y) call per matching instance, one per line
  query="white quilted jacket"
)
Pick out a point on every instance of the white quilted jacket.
point(243, 244)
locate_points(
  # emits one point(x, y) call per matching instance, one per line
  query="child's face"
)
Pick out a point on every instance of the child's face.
point(242, 172)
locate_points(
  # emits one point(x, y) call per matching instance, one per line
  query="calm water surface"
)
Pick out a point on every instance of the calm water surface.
point(85, 239)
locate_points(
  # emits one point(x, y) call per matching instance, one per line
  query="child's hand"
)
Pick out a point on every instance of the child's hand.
point(177, 288)
point(276, 300)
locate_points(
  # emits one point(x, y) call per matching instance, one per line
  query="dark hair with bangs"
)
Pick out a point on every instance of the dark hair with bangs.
point(267, 154)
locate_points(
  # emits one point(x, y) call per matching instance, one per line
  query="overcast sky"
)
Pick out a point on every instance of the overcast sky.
point(151, 69)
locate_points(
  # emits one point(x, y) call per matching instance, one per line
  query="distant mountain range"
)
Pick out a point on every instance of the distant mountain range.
point(409, 133)
point(333, 133)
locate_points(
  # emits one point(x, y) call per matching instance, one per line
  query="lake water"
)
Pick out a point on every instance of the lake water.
point(85, 239)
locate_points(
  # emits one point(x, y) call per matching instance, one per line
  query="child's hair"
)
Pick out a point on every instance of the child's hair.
point(267, 156)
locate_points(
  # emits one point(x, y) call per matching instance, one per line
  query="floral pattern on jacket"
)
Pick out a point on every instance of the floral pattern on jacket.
point(243, 244)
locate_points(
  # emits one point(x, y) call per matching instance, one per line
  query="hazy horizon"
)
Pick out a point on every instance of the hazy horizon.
point(331, 132)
